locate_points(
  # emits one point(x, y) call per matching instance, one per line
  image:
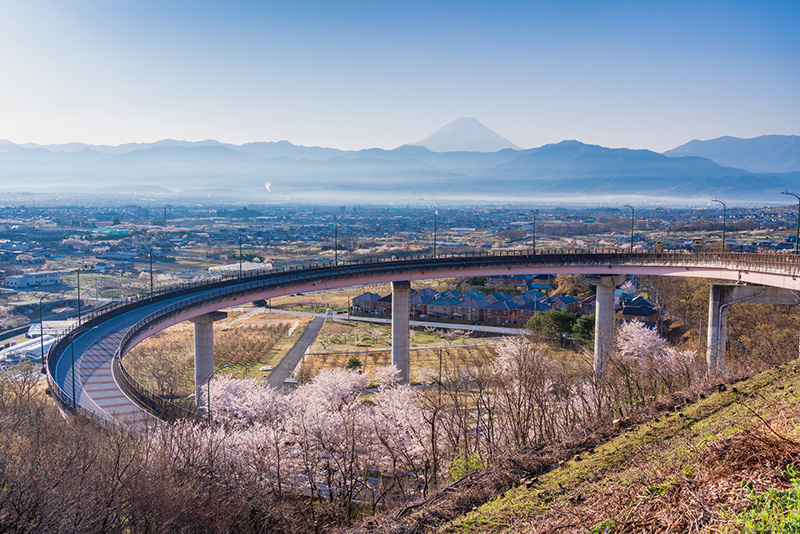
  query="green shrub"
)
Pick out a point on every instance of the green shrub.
point(462, 466)
point(777, 510)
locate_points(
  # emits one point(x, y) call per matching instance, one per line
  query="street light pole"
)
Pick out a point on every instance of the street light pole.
point(79, 296)
point(435, 221)
point(633, 218)
point(797, 232)
point(151, 272)
point(240, 255)
point(336, 244)
point(724, 219)
point(533, 237)
point(208, 385)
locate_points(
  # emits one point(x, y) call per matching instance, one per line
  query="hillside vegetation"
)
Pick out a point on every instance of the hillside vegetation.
point(722, 462)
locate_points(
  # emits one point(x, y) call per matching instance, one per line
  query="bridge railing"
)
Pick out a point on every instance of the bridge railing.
point(223, 287)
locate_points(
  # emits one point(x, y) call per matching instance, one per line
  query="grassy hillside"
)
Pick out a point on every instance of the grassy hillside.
point(723, 463)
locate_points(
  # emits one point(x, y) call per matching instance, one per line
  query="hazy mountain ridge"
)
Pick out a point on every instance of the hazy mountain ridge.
point(562, 169)
point(767, 153)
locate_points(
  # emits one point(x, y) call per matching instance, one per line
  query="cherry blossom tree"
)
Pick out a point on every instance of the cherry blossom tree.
point(523, 377)
point(386, 376)
point(322, 439)
point(647, 364)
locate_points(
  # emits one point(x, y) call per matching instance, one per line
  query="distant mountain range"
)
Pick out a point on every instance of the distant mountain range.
point(768, 153)
point(570, 170)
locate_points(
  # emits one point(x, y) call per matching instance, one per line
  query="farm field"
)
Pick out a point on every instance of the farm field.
point(342, 336)
point(246, 341)
point(422, 359)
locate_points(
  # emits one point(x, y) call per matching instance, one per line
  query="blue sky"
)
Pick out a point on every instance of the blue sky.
point(363, 74)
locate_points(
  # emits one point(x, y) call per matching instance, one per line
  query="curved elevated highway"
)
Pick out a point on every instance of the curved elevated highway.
point(85, 371)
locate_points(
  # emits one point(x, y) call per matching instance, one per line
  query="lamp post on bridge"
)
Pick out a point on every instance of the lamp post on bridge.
point(435, 220)
point(797, 232)
point(335, 244)
point(241, 236)
point(151, 272)
point(633, 217)
point(724, 219)
point(79, 294)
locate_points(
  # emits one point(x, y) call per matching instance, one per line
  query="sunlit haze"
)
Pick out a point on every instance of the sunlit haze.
point(355, 75)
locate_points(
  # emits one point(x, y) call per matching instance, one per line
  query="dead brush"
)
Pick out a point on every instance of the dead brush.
point(727, 471)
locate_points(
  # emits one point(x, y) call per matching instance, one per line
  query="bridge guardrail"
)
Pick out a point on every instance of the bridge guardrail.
point(229, 285)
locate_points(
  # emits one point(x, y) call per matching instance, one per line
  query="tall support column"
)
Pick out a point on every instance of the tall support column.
point(204, 353)
point(717, 326)
point(400, 338)
point(604, 320)
point(723, 295)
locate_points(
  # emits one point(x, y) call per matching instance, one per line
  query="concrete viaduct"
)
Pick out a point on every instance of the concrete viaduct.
point(85, 371)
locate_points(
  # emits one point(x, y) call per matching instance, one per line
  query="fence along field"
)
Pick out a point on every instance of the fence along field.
point(164, 363)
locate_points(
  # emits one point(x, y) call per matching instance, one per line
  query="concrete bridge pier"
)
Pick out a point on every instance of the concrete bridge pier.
point(723, 295)
point(400, 337)
point(604, 319)
point(204, 353)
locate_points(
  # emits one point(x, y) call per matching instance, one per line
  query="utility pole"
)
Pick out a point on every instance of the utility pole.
point(724, 219)
point(632, 219)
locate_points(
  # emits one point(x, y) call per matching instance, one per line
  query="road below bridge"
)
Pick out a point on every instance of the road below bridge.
point(288, 363)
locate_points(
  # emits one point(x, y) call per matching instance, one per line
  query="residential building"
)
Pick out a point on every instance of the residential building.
point(365, 302)
point(529, 309)
point(502, 311)
point(563, 302)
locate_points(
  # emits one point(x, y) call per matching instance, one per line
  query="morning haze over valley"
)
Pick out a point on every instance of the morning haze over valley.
point(399, 267)
point(460, 162)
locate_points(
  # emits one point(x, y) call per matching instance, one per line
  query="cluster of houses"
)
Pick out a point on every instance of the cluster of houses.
point(501, 307)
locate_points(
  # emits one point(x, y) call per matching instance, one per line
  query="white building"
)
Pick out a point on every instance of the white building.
point(247, 266)
point(35, 279)
point(29, 350)
point(51, 328)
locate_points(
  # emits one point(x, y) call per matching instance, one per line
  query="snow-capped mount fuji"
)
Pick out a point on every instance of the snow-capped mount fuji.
point(465, 134)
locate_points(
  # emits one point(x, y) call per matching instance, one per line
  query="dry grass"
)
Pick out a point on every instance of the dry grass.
point(689, 469)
